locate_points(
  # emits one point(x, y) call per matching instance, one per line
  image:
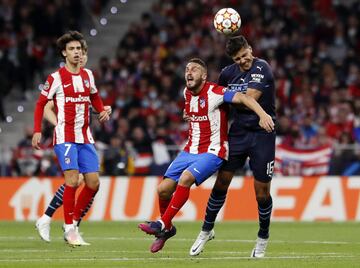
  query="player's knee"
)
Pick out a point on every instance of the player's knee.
point(163, 192)
point(262, 196)
point(72, 183)
point(93, 184)
point(71, 180)
point(222, 183)
point(262, 191)
point(186, 181)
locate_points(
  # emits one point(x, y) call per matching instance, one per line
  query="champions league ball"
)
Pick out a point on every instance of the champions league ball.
point(227, 21)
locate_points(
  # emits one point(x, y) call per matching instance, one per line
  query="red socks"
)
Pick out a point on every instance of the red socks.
point(82, 201)
point(69, 203)
point(179, 198)
point(163, 204)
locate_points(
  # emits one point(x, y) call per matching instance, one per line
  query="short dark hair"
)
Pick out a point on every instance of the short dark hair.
point(234, 44)
point(69, 37)
point(198, 61)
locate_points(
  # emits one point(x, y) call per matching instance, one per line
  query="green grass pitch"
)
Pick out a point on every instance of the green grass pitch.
point(121, 244)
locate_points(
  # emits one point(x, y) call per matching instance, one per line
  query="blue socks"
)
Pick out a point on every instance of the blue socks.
point(215, 203)
point(264, 210)
point(56, 202)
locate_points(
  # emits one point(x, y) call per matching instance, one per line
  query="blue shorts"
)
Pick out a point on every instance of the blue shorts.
point(201, 166)
point(79, 156)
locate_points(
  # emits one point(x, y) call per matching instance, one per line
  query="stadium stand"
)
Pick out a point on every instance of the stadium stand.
point(312, 47)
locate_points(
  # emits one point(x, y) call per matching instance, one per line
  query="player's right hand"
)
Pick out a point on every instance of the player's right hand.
point(36, 140)
point(267, 123)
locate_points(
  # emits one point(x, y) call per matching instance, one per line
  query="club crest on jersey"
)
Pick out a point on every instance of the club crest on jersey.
point(87, 83)
point(238, 87)
point(46, 86)
point(67, 160)
point(202, 102)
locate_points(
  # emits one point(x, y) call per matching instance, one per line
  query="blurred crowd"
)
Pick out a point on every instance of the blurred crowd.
point(312, 47)
point(28, 31)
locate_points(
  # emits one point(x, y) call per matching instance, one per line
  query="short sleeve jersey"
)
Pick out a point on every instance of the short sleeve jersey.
point(259, 77)
point(71, 95)
point(208, 121)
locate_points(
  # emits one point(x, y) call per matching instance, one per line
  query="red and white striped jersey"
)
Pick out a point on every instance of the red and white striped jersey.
point(208, 121)
point(72, 97)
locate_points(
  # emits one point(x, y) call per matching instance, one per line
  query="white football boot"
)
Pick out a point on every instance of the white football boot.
point(72, 237)
point(42, 225)
point(200, 242)
point(260, 248)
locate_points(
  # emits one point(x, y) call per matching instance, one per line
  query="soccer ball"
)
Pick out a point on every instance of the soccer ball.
point(227, 21)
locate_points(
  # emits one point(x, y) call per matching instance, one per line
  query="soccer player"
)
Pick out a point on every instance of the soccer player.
point(205, 150)
point(253, 77)
point(73, 90)
point(43, 223)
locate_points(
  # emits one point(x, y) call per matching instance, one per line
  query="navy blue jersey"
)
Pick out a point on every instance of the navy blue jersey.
point(258, 77)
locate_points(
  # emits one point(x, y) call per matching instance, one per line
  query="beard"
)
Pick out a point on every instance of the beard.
point(195, 84)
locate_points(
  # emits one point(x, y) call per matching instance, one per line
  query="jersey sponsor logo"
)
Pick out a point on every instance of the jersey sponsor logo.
point(199, 118)
point(260, 68)
point(197, 171)
point(256, 78)
point(202, 102)
point(78, 99)
point(67, 85)
point(238, 87)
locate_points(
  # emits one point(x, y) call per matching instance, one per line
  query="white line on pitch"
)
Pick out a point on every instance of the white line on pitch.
point(127, 259)
point(9, 250)
point(190, 239)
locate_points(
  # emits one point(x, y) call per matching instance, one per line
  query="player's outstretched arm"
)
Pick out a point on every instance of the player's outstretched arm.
point(49, 113)
point(266, 121)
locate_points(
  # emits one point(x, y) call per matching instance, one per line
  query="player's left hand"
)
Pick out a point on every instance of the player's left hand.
point(108, 109)
point(103, 116)
point(267, 123)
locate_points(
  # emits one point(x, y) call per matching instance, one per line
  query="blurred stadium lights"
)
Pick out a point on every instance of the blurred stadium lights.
point(9, 119)
point(20, 108)
point(93, 32)
point(113, 10)
point(120, 165)
point(123, 1)
point(103, 21)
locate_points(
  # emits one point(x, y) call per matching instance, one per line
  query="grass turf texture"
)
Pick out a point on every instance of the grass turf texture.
point(122, 244)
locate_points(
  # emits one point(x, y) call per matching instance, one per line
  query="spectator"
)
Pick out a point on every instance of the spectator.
point(115, 158)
